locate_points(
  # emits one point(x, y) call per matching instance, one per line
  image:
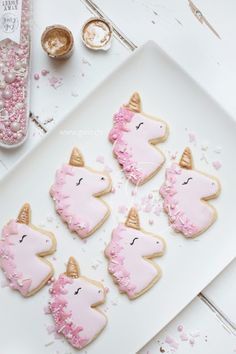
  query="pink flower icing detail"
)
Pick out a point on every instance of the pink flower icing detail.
point(179, 221)
point(63, 318)
point(120, 146)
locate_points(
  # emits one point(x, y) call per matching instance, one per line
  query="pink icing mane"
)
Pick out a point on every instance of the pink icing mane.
point(116, 264)
point(7, 260)
point(62, 201)
point(62, 317)
point(177, 217)
point(116, 137)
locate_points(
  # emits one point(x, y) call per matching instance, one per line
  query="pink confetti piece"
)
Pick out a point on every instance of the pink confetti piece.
point(46, 310)
point(158, 210)
point(172, 342)
point(4, 284)
point(44, 72)
point(184, 337)
point(180, 328)
point(122, 209)
point(36, 76)
point(216, 164)
point(192, 138)
point(151, 222)
point(108, 169)
point(100, 159)
point(51, 329)
point(192, 341)
point(55, 82)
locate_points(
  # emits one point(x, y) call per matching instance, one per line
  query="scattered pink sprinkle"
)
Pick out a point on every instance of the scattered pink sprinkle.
point(4, 284)
point(100, 159)
point(122, 209)
point(55, 82)
point(107, 290)
point(150, 221)
point(51, 329)
point(36, 76)
point(134, 192)
point(203, 158)
point(184, 337)
point(44, 72)
point(173, 155)
point(195, 334)
point(150, 196)
point(113, 190)
point(108, 169)
point(46, 310)
point(217, 165)
point(192, 341)
point(147, 208)
point(180, 328)
point(158, 209)
point(192, 137)
point(172, 342)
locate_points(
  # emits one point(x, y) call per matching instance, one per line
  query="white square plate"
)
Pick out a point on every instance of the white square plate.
point(188, 265)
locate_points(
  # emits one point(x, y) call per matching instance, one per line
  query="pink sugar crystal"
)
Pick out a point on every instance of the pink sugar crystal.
point(217, 165)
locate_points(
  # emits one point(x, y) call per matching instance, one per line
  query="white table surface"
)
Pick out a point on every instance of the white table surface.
point(210, 320)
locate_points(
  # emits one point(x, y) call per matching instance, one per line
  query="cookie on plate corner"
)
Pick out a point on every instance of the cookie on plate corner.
point(134, 136)
point(76, 192)
point(22, 250)
point(73, 305)
point(186, 192)
point(130, 253)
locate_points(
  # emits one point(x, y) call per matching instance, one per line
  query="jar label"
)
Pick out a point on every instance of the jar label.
point(10, 20)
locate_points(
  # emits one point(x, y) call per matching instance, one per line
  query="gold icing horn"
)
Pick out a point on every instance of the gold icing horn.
point(135, 104)
point(186, 160)
point(133, 219)
point(24, 215)
point(76, 158)
point(72, 269)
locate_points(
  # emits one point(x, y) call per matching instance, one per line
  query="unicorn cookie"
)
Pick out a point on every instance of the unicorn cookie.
point(129, 257)
point(22, 249)
point(134, 135)
point(73, 306)
point(186, 192)
point(76, 193)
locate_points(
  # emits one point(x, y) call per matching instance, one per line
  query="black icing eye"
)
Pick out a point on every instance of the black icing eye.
point(102, 178)
point(22, 238)
point(186, 182)
point(131, 244)
point(139, 125)
point(78, 183)
point(77, 291)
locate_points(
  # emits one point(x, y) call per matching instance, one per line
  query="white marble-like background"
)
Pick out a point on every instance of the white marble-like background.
point(209, 322)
